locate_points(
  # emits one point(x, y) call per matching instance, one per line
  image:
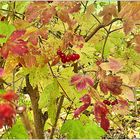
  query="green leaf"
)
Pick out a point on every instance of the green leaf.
point(37, 75)
point(7, 30)
point(48, 99)
point(21, 6)
point(92, 130)
point(16, 132)
point(75, 129)
point(2, 91)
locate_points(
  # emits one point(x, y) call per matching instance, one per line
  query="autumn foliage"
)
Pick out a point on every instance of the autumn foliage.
point(69, 70)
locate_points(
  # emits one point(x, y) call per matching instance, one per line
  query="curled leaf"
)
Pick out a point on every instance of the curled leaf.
point(86, 99)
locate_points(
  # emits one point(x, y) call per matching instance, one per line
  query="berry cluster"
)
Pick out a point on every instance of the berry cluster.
point(107, 102)
point(67, 58)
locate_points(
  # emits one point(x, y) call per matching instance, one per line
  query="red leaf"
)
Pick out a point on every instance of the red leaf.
point(48, 14)
point(105, 123)
point(33, 36)
point(15, 44)
point(34, 10)
point(7, 114)
point(100, 110)
point(86, 99)
point(81, 81)
point(1, 72)
point(112, 84)
point(17, 34)
point(19, 47)
point(74, 7)
point(10, 96)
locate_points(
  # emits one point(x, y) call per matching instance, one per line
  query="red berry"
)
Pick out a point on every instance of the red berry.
point(62, 55)
point(68, 58)
point(64, 60)
point(113, 103)
point(116, 101)
point(77, 56)
point(73, 57)
point(106, 102)
point(59, 52)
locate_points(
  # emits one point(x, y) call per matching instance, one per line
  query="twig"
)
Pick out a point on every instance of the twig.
point(98, 28)
point(13, 82)
point(119, 5)
point(116, 30)
point(57, 116)
point(103, 49)
point(26, 122)
point(65, 94)
point(98, 21)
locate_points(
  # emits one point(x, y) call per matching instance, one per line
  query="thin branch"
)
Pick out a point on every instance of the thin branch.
point(64, 92)
point(98, 21)
point(103, 49)
point(119, 5)
point(57, 116)
point(13, 82)
point(10, 11)
point(115, 30)
point(98, 28)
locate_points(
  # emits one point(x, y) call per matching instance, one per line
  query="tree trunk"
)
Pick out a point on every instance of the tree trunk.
point(37, 113)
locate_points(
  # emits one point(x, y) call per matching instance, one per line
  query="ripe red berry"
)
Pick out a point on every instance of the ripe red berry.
point(59, 52)
point(64, 60)
point(114, 102)
point(106, 102)
point(68, 58)
point(62, 55)
point(77, 56)
point(73, 57)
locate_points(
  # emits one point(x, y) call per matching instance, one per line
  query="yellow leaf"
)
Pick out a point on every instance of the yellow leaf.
point(127, 93)
point(10, 64)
